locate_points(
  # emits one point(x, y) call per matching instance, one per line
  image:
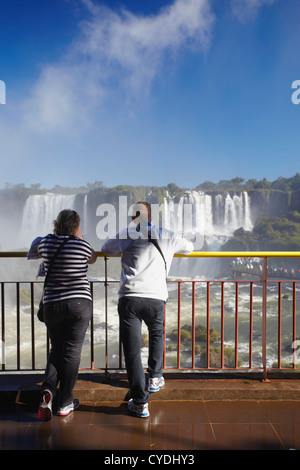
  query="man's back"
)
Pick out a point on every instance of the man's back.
point(143, 266)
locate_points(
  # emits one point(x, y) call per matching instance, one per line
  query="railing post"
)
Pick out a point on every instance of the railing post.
point(106, 314)
point(165, 335)
point(193, 324)
point(236, 333)
point(264, 320)
point(179, 325)
point(222, 324)
point(32, 326)
point(18, 326)
point(92, 352)
point(3, 324)
point(279, 323)
point(294, 323)
point(251, 326)
point(208, 325)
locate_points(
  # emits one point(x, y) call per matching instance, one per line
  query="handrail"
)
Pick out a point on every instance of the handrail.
point(264, 255)
point(194, 254)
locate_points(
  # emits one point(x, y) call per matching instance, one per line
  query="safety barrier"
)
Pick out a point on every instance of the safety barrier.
point(247, 324)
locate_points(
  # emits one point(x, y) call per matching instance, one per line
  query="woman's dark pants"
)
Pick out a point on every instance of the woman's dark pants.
point(67, 322)
point(132, 310)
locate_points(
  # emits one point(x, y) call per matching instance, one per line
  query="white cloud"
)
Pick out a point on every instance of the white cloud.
point(116, 57)
point(248, 9)
point(114, 51)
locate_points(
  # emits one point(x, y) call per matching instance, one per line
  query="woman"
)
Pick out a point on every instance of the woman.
point(67, 309)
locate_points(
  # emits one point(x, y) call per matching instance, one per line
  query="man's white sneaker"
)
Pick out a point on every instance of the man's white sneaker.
point(155, 383)
point(140, 410)
point(65, 410)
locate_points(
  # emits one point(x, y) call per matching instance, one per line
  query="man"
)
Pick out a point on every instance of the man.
point(142, 296)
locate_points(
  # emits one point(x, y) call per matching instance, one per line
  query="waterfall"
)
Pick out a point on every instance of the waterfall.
point(209, 221)
point(213, 218)
point(248, 224)
point(39, 213)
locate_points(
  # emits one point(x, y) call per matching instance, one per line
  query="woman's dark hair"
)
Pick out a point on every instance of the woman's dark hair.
point(66, 222)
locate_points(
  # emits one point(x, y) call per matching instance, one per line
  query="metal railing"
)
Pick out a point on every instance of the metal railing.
point(210, 325)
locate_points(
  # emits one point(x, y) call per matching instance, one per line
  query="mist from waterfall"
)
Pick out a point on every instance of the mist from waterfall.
point(39, 213)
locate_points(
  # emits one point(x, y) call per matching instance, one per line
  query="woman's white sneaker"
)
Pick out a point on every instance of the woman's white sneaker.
point(45, 409)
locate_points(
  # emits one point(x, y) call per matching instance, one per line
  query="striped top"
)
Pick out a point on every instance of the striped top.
point(68, 275)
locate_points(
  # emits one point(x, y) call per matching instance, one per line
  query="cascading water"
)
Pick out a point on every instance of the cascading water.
point(39, 213)
point(214, 218)
point(209, 221)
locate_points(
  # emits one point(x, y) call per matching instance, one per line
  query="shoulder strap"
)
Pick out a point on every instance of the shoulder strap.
point(155, 243)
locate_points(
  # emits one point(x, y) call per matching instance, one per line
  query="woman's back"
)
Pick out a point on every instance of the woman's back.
point(68, 274)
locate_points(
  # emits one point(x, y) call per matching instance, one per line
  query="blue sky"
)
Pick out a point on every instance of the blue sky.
point(148, 92)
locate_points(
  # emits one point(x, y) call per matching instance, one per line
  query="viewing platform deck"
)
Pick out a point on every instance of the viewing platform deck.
point(191, 413)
